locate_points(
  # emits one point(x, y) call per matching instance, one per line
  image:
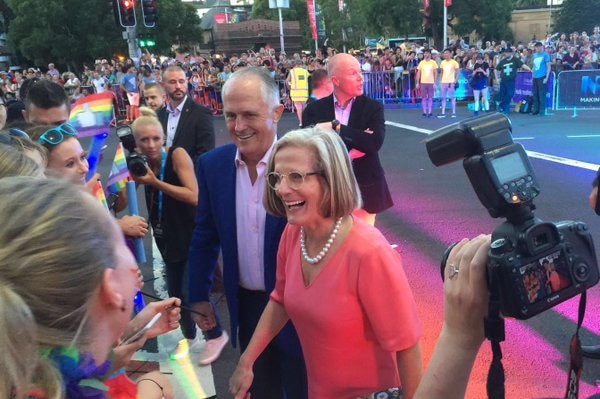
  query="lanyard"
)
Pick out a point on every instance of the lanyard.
point(161, 176)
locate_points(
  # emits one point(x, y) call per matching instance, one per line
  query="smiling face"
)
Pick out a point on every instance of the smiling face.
point(69, 160)
point(250, 119)
point(303, 204)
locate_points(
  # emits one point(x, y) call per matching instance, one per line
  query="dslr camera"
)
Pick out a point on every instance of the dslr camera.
point(136, 162)
point(532, 265)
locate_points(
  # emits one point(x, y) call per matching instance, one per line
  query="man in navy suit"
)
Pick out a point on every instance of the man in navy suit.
point(186, 124)
point(360, 123)
point(231, 218)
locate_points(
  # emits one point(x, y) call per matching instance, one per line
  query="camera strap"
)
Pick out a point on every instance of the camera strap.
point(576, 361)
point(494, 332)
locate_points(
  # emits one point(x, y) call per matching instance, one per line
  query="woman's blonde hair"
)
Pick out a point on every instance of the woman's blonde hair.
point(17, 344)
point(55, 243)
point(342, 195)
point(15, 163)
point(147, 118)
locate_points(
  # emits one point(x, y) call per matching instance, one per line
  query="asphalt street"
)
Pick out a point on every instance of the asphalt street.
point(436, 206)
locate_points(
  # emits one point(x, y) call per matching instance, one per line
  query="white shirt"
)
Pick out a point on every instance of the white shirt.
point(173, 120)
point(250, 220)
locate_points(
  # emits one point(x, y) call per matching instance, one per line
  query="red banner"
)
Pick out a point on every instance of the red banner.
point(340, 5)
point(426, 7)
point(447, 3)
point(312, 19)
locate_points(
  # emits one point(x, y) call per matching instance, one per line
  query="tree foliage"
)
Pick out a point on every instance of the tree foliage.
point(73, 32)
point(577, 16)
point(388, 18)
point(489, 19)
point(296, 12)
point(530, 3)
point(359, 19)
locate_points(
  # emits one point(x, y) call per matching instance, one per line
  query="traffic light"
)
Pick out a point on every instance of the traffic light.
point(146, 43)
point(149, 12)
point(126, 12)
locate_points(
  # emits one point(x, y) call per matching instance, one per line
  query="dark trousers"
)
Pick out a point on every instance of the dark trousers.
point(507, 91)
point(539, 96)
point(279, 372)
point(176, 276)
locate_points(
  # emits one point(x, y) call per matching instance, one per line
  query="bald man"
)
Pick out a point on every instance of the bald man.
point(361, 124)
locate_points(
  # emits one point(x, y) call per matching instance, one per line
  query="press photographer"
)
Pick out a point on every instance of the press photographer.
point(531, 265)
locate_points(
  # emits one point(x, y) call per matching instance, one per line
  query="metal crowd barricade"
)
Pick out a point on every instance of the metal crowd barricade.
point(284, 94)
point(578, 89)
point(399, 86)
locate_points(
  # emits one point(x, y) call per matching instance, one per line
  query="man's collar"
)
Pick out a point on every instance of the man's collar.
point(340, 105)
point(177, 109)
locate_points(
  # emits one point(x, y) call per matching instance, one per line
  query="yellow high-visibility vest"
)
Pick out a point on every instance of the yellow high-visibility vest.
point(299, 84)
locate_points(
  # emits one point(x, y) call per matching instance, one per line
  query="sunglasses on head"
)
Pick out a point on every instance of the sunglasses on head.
point(56, 135)
point(6, 136)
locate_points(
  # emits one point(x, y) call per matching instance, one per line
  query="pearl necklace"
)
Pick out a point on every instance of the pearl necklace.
point(325, 249)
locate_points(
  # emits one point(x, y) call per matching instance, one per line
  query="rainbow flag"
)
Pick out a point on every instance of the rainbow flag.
point(119, 174)
point(99, 194)
point(92, 115)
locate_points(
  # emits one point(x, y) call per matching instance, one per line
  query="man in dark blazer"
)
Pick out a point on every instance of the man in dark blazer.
point(360, 123)
point(186, 124)
point(231, 219)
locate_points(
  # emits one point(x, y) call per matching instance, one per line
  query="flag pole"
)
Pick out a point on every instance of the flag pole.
point(445, 38)
point(316, 38)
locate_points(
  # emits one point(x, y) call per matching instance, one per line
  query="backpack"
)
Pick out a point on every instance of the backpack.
point(526, 105)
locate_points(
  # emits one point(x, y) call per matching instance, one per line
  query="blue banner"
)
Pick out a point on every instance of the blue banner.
point(579, 89)
point(524, 88)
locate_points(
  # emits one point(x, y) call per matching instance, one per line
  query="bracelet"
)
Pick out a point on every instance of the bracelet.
point(157, 384)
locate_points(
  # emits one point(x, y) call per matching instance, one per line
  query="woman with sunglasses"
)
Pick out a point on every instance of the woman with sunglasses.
point(338, 280)
point(80, 292)
point(171, 198)
point(67, 159)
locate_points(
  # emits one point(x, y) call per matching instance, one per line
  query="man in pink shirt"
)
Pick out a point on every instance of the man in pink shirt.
point(231, 219)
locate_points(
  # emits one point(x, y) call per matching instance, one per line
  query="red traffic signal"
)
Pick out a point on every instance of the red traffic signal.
point(126, 12)
point(149, 12)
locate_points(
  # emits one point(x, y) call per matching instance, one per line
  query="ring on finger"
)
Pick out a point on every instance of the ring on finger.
point(453, 271)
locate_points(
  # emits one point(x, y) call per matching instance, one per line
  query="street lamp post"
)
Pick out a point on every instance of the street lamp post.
point(279, 4)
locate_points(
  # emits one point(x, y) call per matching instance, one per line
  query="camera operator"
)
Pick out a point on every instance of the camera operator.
point(465, 306)
point(171, 198)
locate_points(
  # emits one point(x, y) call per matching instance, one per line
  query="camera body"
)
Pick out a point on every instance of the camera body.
point(538, 265)
point(137, 164)
point(533, 265)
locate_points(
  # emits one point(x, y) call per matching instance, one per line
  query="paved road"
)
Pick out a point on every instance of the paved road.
point(436, 207)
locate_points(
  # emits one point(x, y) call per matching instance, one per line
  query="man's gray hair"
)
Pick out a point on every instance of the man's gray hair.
point(268, 87)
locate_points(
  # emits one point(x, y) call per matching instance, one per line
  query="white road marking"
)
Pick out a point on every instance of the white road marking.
point(584, 136)
point(533, 154)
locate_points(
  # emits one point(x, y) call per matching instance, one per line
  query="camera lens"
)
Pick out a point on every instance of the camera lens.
point(137, 165)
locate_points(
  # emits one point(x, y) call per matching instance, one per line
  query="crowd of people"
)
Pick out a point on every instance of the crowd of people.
point(398, 68)
point(291, 218)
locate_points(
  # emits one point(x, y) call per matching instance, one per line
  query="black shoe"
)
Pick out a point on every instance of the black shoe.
point(591, 351)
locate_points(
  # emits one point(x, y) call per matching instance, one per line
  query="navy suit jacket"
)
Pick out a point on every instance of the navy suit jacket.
point(365, 114)
point(216, 229)
point(195, 131)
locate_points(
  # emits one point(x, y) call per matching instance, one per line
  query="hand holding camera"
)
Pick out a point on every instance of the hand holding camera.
point(532, 265)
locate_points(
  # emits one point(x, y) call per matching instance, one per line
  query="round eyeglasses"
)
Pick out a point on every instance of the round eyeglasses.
point(295, 179)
